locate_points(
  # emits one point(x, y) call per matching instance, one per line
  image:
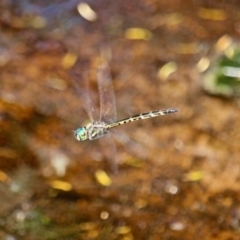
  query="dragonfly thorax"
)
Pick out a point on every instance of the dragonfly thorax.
point(91, 131)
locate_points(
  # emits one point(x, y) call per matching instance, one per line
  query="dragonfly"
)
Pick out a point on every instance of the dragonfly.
point(97, 128)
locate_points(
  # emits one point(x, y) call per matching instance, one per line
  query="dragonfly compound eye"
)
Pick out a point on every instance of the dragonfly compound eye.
point(80, 134)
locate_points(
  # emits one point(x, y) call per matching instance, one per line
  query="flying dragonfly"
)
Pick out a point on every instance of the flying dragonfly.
point(102, 123)
point(107, 120)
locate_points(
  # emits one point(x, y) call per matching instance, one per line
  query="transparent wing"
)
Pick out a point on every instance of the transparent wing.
point(108, 111)
point(137, 150)
point(110, 152)
point(80, 78)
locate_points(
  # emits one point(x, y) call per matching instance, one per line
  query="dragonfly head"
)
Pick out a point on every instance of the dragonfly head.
point(81, 134)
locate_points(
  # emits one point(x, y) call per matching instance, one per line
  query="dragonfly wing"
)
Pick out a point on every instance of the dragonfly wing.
point(134, 148)
point(108, 111)
point(111, 152)
point(80, 77)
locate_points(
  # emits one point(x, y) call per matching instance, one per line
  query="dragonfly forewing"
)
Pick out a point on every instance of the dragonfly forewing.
point(108, 112)
point(81, 84)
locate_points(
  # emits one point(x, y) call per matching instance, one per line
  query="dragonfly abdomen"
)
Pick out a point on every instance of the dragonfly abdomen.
point(143, 116)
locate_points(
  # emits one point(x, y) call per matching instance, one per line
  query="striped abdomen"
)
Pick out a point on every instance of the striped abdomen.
point(143, 116)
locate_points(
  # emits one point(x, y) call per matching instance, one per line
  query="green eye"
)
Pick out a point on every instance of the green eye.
point(80, 134)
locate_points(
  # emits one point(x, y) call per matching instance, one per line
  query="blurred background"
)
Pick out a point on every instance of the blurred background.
point(178, 175)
